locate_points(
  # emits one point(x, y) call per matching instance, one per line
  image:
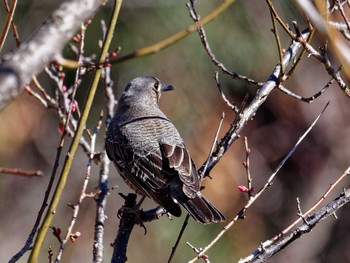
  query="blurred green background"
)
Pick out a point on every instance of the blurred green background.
point(241, 38)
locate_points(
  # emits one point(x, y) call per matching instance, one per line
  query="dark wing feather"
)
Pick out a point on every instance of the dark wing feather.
point(187, 192)
point(179, 160)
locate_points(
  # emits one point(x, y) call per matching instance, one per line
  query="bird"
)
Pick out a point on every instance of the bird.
point(150, 154)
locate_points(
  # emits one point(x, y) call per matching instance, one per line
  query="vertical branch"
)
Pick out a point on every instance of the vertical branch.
point(247, 166)
point(278, 42)
point(101, 198)
point(101, 201)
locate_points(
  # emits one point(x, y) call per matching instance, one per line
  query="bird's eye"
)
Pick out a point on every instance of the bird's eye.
point(156, 85)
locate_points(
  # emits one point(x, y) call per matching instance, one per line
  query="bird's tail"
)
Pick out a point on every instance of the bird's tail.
point(202, 210)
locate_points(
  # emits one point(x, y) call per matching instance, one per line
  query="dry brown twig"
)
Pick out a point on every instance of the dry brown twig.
point(17, 171)
point(13, 25)
point(247, 167)
point(8, 23)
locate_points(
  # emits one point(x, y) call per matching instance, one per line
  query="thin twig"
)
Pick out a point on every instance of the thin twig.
point(205, 43)
point(278, 41)
point(173, 250)
point(247, 167)
point(308, 99)
point(233, 107)
point(300, 57)
point(22, 172)
point(14, 27)
point(203, 172)
point(36, 96)
point(8, 23)
point(29, 242)
point(314, 207)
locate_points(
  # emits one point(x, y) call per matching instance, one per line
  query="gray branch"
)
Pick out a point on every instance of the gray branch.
point(263, 253)
point(250, 111)
point(18, 67)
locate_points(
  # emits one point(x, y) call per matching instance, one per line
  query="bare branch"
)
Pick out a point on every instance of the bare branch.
point(17, 68)
point(249, 112)
point(207, 48)
point(303, 216)
point(310, 222)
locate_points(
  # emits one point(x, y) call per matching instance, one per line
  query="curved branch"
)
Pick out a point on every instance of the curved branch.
point(145, 51)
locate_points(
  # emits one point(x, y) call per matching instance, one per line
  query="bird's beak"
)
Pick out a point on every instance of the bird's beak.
point(166, 87)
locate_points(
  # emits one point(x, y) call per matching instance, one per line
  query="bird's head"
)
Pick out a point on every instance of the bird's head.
point(145, 89)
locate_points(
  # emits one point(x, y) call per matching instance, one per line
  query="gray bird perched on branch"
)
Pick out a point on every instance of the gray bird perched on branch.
point(150, 154)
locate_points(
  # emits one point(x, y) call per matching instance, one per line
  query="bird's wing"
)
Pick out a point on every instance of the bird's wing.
point(178, 159)
point(143, 172)
point(151, 174)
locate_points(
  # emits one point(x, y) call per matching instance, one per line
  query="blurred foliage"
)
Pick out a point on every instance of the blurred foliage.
point(241, 38)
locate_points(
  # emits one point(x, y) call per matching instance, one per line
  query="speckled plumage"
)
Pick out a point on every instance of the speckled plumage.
point(150, 154)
